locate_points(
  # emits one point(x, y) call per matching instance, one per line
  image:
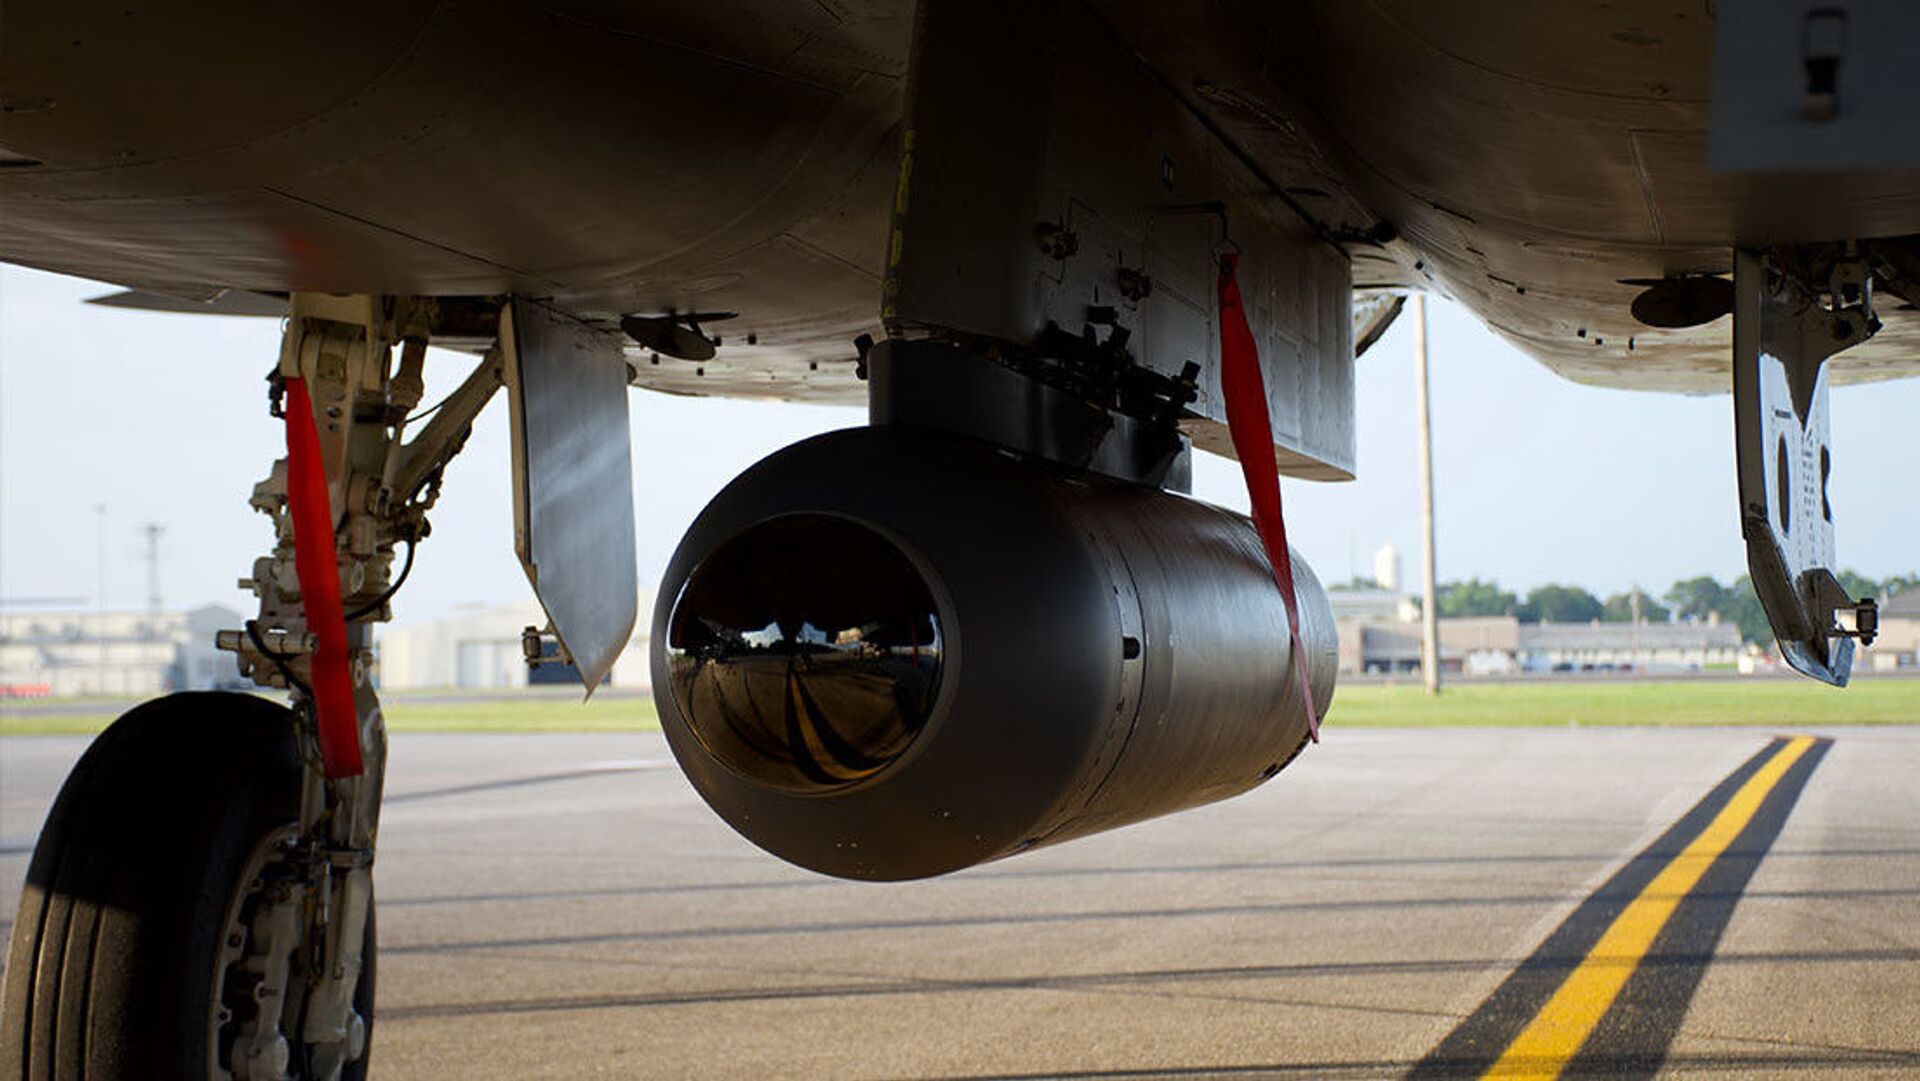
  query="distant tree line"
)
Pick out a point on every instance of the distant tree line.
point(1689, 599)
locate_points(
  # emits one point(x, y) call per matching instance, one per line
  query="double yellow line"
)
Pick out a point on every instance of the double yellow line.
point(1556, 1033)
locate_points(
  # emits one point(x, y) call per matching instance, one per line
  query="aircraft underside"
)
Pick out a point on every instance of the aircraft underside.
point(1053, 246)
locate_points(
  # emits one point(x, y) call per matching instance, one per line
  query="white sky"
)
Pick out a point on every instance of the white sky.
point(162, 418)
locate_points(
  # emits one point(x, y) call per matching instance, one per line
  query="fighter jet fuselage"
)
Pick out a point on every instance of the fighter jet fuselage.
point(1540, 165)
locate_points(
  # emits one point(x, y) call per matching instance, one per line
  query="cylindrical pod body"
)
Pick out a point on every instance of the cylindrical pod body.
point(886, 653)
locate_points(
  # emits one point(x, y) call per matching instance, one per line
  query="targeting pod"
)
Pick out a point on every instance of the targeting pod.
point(886, 653)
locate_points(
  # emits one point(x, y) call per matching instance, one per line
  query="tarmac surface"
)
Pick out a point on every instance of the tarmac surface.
point(1398, 901)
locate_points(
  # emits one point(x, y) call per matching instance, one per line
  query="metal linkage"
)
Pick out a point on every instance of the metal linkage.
point(1094, 410)
point(380, 488)
point(540, 646)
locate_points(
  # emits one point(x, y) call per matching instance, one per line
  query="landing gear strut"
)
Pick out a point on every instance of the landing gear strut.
point(1793, 310)
point(200, 903)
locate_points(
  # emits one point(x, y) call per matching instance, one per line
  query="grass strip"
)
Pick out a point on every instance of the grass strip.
point(1671, 704)
point(1674, 704)
point(544, 713)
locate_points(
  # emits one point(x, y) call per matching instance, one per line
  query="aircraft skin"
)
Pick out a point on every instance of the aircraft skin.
point(641, 158)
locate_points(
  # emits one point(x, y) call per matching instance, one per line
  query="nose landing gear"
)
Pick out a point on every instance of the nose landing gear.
point(119, 968)
point(200, 902)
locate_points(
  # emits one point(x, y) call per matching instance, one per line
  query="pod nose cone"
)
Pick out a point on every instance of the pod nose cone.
point(805, 652)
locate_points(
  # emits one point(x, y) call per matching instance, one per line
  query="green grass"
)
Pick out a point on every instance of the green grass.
point(543, 713)
point(13, 723)
point(1769, 702)
point(1764, 702)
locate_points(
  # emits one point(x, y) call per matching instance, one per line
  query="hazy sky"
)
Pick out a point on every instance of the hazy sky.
point(162, 418)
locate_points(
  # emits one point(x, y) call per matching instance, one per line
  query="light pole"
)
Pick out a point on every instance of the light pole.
point(1429, 602)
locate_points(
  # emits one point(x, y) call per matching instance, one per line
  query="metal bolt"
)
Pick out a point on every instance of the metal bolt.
point(1056, 241)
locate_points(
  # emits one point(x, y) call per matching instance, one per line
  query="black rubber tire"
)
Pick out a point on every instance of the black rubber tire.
point(110, 973)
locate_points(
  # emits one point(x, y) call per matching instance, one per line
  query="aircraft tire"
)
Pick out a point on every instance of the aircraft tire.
point(117, 945)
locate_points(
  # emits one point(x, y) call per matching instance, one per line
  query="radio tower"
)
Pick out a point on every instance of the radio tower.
point(151, 532)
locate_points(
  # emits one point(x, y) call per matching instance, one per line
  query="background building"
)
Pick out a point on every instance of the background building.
point(1497, 645)
point(1475, 645)
point(1382, 599)
point(480, 647)
point(1583, 647)
point(117, 654)
point(1898, 644)
point(1379, 605)
point(142, 654)
point(1387, 568)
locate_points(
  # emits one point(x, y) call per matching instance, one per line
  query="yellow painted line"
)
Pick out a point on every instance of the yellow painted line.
point(1555, 1034)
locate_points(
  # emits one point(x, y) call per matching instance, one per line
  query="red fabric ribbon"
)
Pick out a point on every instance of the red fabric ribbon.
point(317, 564)
point(1252, 432)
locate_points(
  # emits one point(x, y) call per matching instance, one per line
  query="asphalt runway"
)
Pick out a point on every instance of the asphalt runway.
point(1397, 902)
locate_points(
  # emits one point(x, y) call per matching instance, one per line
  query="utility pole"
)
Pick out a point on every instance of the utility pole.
point(1429, 599)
